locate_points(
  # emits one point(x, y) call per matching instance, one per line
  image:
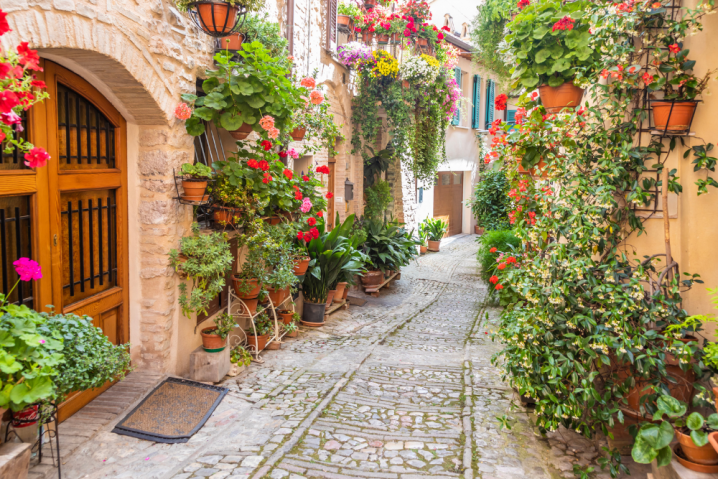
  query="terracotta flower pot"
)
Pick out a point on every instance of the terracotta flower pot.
point(372, 278)
point(330, 297)
point(682, 389)
point(344, 20)
point(272, 220)
point(339, 295)
point(434, 246)
point(369, 6)
point(382, 39)
point(258, 343)
point(533, 172)
point(705, 455)
point(252, 293)
point(223, 215)
point(242, 132)
point(367, 37)
point(298, 134)
point(293, 334)
point(275, 295)
point(301, 265)
point(478, 230)
point(27, 417)
point(395, 38)
point(555, 99)
point(422, 249)
point(194, 189)
point(423, 42)
point(286, 316)
point(405, 84)
point(212, 343)
point(217, 17)
point(232, 42)
point(345, 293)
point(251, 306)
point(286, 292)
point(673, 116)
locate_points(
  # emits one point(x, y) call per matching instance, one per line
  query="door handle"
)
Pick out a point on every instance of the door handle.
point(54, 240)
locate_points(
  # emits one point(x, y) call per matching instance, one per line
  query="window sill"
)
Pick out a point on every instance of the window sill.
point(461, 127)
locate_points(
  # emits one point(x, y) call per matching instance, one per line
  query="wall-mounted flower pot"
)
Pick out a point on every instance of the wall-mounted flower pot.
point(239, 285)
point(704, 455)
point(434, 246)
point(223, 215)
point(422, 42)
point(275, 295)
point(343, 21)
point(673, 115)
point(242, 132)
point(194, 189)
point(478, 230)
point(422, 249)
point(367, 38)
point(232, 42)
point(369, 6)
point(330, 297)
point(298, 134)
point(555, 99)
point(257, 343)
point(314, 312)
point(372, 278)
point(212, 343)
point(216, 18)
point(382, 39)
point(286, 315)
point(339, 295)
point(301, 265)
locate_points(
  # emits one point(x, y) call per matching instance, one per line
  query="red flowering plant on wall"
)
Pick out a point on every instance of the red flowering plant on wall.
point(19, 91)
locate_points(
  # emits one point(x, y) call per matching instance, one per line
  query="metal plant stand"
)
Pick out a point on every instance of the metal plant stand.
point(47, 414)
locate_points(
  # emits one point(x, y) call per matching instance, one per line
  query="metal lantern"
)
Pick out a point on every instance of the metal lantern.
point(348, 190)
point(216, 18)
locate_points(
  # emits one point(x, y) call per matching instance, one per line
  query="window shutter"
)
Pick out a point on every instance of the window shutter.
point(457, 116)
point(475, 117)
point(511, 117)
point(489, 103)
point(331, 43)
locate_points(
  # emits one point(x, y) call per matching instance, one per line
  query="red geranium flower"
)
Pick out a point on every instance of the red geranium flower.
point(446, 29)
point(298, 195)
point(320, 214)
point(300, 235)
point(263, 165)
point(28, 57)
point(324, 169)
point(510, 259)
point(4, 27)
point(566, 23)
point(329, 195)
point(253, 163)
point(502, 266)
point(674, 48)
point(311, 221)
point(314, 232)
point(493, 250)
point(266, 144)
point(500, 101)
point(498, 286)
point(8, 101)
point(282, 154)
point(523, 4)
point(305, 178)
point(494, 279)
point(37, 157)
point(267, 178)
point(288, 173)
point(307, 236)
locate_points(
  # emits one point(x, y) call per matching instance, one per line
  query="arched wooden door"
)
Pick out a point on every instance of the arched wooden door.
point(87, 185)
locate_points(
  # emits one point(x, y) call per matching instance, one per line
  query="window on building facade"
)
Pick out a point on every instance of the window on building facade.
point(490, 91)
point(476, 103)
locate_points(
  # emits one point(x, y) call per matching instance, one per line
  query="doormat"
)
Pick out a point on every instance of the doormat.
point(356, 301)
point(173, 412)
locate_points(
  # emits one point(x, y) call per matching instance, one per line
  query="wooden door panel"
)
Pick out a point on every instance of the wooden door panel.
point(448, 194)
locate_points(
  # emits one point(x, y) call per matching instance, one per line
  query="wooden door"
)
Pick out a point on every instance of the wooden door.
point(87, 228)
point(331, 215)
point(448, 195)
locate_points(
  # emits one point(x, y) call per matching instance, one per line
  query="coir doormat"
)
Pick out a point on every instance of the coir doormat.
point(173, 412)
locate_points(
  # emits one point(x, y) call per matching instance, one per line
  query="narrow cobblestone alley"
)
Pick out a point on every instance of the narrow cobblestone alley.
point(400, 388)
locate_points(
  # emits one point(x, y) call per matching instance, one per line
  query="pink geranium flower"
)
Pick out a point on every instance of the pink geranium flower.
point(273, 133)
point(36, 158)
point(183, 111)
point(306, 205)
point(27, 269)
point(293, 153)
point(309, 82)
point(316, 97)
point(267, 122)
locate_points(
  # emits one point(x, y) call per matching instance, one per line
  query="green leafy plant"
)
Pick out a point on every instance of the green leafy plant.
point(317, 119)
point(349, 8)
point(262, 324)
point(487, 33)
point(490, 203)
point(551, 43)
point(240, 92)
point(196, 171)
point(249, 5)
point(653, 440)
point(240, 356)
point(208, 259)
point(259, 27)
point(492, 244)
point(223, 325)
point(291, 328)
point(378, 198)
point(435, 228)
point(388, 245)
point(89, 358)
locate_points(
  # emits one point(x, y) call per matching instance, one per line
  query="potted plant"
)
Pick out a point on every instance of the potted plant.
point(263, 327)
point(231, 205)
point(286, 315)
point(194, 181)
point(352, 53)
point(240, 356)
point(435, 229)
point(554, 40)
point(423, 238)
point(346, 11)
point(420, 70)
point(671, 74)
point(217, 17)
point(248, 283)
point(232, 42)
point(291, 329)
point(208, 259)
point(314, 123)
point(214, 339)
point(261, 86)
point(388, 247)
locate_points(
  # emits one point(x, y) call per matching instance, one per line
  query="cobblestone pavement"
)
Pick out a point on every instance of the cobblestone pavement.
point(400, 388)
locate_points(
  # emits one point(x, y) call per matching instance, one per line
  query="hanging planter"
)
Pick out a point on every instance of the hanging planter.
point(673, 115)
point(242, 132)
point(382, 39)
point(555, 99)
point(298, 134)
point(211, 341)
point(369, 6)
point(344, 22)
point(223, 215)
point(367, 38)
point(232, 42)
point(215, 18)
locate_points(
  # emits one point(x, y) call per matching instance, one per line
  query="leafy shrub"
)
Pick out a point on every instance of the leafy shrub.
point(504, 241)
point(389, 246)
point(433, 228)
point(378, 198)
point(258, 27)
point(490, 204)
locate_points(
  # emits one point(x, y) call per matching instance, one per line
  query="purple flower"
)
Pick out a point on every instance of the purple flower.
point(28, 269)
point(353, 52)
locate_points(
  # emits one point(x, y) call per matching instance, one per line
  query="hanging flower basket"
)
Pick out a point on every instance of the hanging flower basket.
point(242, 132)
point(367, 38)
point(298, 134)
point(382, 39)
point(194, 189)
point(555, 99)
point(369, 6)
point(673, 115)
point(344, 22)
point(215, 18)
